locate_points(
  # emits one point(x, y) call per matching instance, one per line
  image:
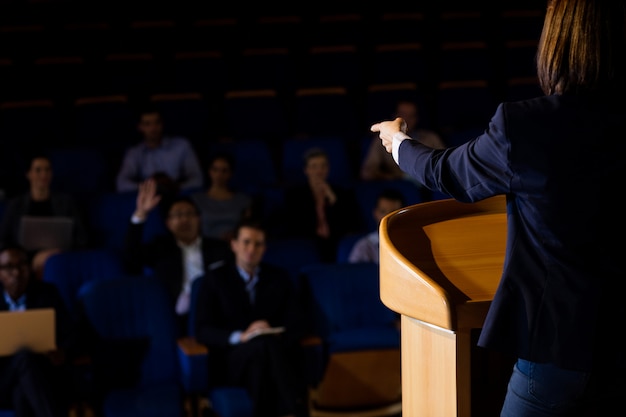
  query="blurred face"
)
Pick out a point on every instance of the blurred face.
point(248, 247)
point(151, 127)
point(317, 168)
point(408, 111)
point(40, 173)
point(184, 222)
point(220, 172)
point(384, 207)
point(14, 272)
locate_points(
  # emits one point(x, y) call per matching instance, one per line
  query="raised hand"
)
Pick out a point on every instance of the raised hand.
point(147, 198)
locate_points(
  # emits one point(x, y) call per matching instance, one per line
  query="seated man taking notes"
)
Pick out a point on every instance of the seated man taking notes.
point(241, 310)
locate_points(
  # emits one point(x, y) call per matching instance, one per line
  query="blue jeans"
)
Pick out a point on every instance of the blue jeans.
point(543, 390)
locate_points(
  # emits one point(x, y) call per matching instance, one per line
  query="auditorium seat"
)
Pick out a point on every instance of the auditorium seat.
point(256, 114)
point(292, 159)
point(188, 114)
point(275, 68)
point(31, 125)
point(204, 70)
point(401, 62)
point(326, 111)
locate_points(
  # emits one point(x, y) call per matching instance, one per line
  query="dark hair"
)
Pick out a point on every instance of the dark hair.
point(314, 153)
point(251, 222)
point(37, 154)
point(392, 194)
point(582, 48)
point(167, 204)
point(147, 107)
point(16, 247)
point(224, 155)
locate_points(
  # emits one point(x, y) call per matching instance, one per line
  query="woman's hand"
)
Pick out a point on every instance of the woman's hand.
point(387, 129)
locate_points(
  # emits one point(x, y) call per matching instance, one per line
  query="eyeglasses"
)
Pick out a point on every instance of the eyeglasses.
point(181, 214)
point(11, 266)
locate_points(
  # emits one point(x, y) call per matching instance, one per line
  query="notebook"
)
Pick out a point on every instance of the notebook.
point(33, 329)
point(46, 232)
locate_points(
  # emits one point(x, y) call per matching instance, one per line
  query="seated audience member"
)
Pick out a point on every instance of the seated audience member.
point(34, 384)
point(366, 249)
point(379, 164)
point(235, 302)
point(220, 206)
point(171, 160)
point(319, 210)
point(41, 200)
point(178, 257)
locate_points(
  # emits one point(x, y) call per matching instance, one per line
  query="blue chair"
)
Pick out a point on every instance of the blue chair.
point(346, 243)
point(255, 167)
point(367, 193)
point(81, 171)
point(292, 158)
point(135, 364)
point(225, 401)
point(70, 270)
point(358, 359)
point(291, 253)
point(108, 216)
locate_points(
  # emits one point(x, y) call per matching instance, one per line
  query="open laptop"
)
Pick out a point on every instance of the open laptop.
point(33, 329)
point(46, 232)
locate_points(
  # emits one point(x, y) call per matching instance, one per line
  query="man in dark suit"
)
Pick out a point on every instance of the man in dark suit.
point(237, 305)
point(34, 384)
point(178, 257)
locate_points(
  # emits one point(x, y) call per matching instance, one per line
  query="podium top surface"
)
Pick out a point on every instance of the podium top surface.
point(441, 261)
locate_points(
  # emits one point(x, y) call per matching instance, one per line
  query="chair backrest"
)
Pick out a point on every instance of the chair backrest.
point(464, 104)
point(345, 245)
point(32, 124)
point(134, 309)
point(330, 110)
point(294, 149)
point(204, 70)
point(103, 122)
point(187, 114)
point(272, 68)
point(255, 168)
point(81, 171)
point(367, 193)
point(416, 66)
point(292, 254)
point(108, 217)
point(256, 113)
point(346, 308)
point(70, 270)
point(334, 65)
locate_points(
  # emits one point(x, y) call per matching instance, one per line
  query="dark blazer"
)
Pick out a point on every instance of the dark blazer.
point(561, 162)
point(223, 305)
point(343, 217)
point(165, 258)
point(62, 205)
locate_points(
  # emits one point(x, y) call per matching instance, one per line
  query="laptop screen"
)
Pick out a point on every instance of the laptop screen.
point(46, 232)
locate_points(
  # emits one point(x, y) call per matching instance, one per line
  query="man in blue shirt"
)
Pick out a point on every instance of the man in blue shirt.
point(171, 160)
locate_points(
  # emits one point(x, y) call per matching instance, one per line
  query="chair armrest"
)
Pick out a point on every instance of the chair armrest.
point(194, 365)
point(190, 346)
point(308, 341)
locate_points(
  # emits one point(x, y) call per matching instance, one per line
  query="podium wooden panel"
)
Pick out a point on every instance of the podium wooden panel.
point(440, 265)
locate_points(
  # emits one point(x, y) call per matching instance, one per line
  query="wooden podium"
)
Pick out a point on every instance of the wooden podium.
point(440, 265)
